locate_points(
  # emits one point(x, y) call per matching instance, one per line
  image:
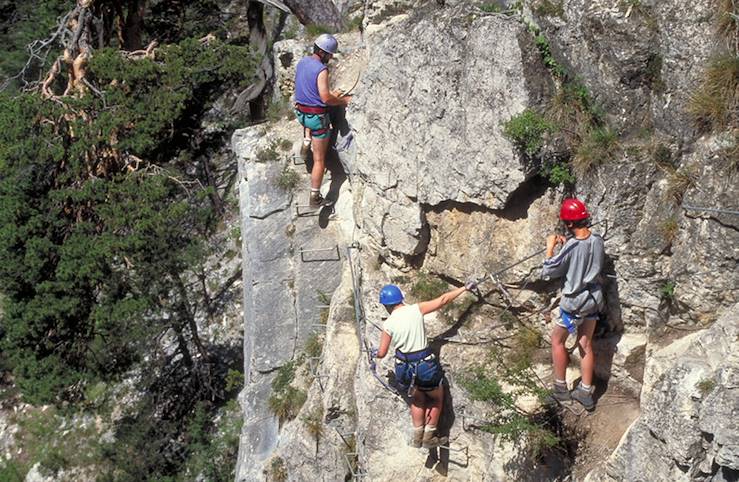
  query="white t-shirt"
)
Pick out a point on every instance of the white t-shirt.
point(405, 327)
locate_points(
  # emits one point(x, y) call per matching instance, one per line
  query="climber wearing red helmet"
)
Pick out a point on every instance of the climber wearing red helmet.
point(579, 262)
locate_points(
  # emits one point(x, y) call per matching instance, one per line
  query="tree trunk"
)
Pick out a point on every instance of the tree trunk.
point(133, 27)
point(316, 12)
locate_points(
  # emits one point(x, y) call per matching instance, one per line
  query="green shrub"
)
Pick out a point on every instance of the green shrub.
point(234, 380)
point(662, 156)
point(288, 179)
point(428, 287)
point(526, 130)
point(277, 470)
point(268, 154)
point(284, 144)
point(491, 7)
point(706, 386)
point(542, 43)
point(509, 421)
point(667, 290)
point(557, 173)
point(314, 30)
point(549, 8)
point(278, 109)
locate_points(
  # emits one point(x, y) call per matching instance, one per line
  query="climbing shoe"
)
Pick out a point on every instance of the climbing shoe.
point(416, 437)
point(315, 200)
point(559, 394)
point(584, 396)
point(305, 150)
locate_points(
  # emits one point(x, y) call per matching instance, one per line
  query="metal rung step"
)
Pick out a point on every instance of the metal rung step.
point(360, 472)
point(312, 211)
point(297, 159)
point(334, 249)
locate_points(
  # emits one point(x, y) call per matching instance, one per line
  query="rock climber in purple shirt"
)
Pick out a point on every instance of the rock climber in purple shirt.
point(312, 96)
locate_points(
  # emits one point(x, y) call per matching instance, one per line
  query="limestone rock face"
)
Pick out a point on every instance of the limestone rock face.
point(688, 428)
point(642, 60)
point(435, 93)
point(653, 240)
point(281, 292)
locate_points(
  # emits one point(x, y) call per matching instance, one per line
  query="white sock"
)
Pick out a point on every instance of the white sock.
point(315, 190)
point(306, 141)
point(560, 382)
point(430, 428)
point(586, 387)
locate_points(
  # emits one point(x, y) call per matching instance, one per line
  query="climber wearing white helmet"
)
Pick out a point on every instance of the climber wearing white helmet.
point(312, 95)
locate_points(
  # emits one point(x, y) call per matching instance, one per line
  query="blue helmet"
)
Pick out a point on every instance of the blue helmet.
point(391, 295)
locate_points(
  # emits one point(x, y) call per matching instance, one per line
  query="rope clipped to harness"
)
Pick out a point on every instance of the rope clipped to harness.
point(359, 315)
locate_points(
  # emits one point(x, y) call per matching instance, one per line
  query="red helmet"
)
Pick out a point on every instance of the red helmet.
point(573, 210)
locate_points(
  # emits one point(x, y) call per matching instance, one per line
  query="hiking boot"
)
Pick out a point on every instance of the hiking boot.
point(434, 441)
point(315, 200)
point(416, 437)
point(559, 394)
point(305, 151)
point(431, 440)
point(584, 396)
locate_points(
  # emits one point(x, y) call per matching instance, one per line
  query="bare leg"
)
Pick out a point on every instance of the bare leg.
point(560, 357)
point(434, 406)
point(418, 408)
point(584, 345)
point(320, 148)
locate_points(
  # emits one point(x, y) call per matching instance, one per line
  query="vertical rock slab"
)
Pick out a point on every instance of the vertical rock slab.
point(438, 87)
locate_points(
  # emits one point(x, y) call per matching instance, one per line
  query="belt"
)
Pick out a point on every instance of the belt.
point(310, 109)
point(413, 356)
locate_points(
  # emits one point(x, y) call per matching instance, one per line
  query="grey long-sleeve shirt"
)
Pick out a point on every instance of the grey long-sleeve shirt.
point(580, 261)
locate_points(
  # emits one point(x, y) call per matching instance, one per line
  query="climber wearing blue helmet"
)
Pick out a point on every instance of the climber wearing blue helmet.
point(312, 96)
point(416, 366)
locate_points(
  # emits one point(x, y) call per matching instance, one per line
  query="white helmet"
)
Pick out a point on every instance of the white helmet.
point(327, 43)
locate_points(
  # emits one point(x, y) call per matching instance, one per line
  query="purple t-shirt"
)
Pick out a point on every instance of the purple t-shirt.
point(306, 81)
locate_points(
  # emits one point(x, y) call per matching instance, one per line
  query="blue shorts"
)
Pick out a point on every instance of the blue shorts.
point(428, 374)
point(319, 125)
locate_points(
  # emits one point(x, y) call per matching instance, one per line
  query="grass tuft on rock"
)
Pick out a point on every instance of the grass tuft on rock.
point(714, 105)
point(599, 145)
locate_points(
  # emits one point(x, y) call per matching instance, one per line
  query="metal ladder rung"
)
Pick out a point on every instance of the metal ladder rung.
point(335, 249)
point(359, 473)
point(295, 158)
point(313, 211)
